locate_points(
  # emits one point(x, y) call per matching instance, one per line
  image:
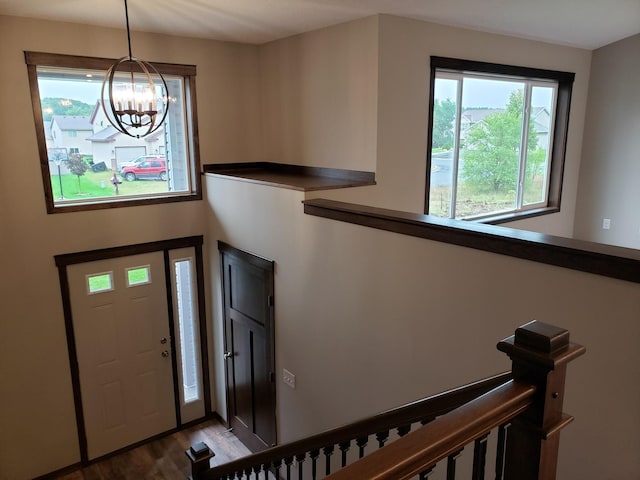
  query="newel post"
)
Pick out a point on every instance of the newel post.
point(540, 354)
point(199, 454)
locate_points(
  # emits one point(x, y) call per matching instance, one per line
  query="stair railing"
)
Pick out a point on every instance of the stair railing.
point(527, 411)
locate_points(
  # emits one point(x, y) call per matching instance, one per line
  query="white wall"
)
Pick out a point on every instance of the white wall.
point(610, 171)
point(37, 420)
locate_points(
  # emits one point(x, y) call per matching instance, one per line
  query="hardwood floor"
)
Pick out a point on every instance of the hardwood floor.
point(164, 459)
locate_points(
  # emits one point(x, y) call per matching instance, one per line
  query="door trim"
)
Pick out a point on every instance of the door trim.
point(62, 261)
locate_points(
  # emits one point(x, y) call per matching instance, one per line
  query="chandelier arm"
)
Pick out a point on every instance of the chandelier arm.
point(118, 125)
point(134, 106)
point(166, 103)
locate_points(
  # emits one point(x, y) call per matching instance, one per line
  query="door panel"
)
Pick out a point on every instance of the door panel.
point(249, 343)
point(126, 382)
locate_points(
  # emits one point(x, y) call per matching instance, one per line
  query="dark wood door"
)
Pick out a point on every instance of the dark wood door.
point(249, 346)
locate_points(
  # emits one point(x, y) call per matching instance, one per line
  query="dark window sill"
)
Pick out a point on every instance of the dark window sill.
point(610, 261)
point(513, 216)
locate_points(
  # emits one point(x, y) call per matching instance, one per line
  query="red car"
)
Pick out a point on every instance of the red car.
point(150, 169)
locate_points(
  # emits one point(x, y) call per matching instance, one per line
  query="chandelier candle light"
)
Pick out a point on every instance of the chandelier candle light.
point(131, 104)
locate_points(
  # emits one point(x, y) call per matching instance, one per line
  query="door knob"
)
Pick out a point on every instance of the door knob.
point(228, 355)
point(165, 353)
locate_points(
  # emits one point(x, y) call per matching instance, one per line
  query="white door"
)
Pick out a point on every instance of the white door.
point(121, 327)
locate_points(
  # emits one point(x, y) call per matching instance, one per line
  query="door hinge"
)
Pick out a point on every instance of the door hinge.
point(270, 300)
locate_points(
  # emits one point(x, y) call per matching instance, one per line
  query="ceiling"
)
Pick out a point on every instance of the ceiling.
point(580, 23)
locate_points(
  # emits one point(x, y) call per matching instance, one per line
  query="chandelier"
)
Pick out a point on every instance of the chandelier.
point(129, 97)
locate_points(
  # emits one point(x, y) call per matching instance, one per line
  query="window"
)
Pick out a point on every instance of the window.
point(99, 282)
point(497, 140)
point(83, 157)
point(138, 275)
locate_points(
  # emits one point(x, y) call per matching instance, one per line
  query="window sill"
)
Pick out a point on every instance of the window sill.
point(513, 216)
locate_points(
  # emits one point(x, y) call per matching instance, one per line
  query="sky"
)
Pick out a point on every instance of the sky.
point(87, 92)
point(489, 93)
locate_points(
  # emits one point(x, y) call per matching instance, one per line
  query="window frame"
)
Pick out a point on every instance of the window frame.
point(559, 135)
point(187, 72)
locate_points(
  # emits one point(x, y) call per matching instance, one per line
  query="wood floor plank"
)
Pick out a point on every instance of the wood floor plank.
point(164, 458)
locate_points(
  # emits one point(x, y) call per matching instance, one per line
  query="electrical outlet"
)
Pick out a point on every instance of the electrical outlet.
point(606, 223)
point(288, 378)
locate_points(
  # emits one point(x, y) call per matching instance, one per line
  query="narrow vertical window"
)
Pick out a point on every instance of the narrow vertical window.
point(187, 325)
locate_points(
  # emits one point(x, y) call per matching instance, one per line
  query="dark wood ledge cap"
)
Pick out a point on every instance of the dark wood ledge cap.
point(607, 260)
point(294, 177)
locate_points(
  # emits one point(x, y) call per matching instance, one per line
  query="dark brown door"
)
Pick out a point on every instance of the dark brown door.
point(249, 346)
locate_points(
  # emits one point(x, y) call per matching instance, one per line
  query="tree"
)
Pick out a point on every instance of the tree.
point(63, 106)
point(77, 166)
point(444, 112)
point(491, 156)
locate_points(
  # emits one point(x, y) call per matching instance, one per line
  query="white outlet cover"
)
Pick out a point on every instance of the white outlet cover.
point(288, 378)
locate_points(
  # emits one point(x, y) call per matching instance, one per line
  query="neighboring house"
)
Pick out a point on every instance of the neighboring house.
point(541, 119)
point(65, 135)
point(114, 148)
point(70, 132)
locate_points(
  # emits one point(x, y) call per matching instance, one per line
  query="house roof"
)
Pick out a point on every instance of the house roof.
point(475, 115)
point(72, 122)
point(105, 135)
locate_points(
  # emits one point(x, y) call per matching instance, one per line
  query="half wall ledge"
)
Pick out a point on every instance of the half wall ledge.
point(607, 260)
point(293, 177)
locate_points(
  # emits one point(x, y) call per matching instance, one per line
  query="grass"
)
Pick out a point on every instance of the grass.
point(470, 202)
point(98, 185)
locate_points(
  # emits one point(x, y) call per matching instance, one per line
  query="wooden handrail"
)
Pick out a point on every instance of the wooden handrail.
point(423, 448)
point(531, 403)
point(425, 409)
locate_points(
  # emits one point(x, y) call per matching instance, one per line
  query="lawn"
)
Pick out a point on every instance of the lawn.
point(98, 185)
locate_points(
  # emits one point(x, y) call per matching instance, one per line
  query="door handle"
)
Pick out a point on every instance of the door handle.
point(228, 355)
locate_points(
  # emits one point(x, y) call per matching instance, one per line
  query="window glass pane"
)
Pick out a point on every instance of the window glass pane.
point(138, 275)
point(90, 161)
point(442, 147)
point(490, 138)
point(187, 330)
point(539, 148)
point(100, 282)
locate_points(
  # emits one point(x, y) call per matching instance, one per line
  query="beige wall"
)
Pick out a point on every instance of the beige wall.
point(363, 317)
point(319, 96)
point(37, 421)
point(368, 320)
point(610, 170)
point(404, 47)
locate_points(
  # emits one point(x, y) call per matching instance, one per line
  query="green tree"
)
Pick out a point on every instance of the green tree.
point(444, 112)
point(491, 156)
point(63, 106)
point(77, 166)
